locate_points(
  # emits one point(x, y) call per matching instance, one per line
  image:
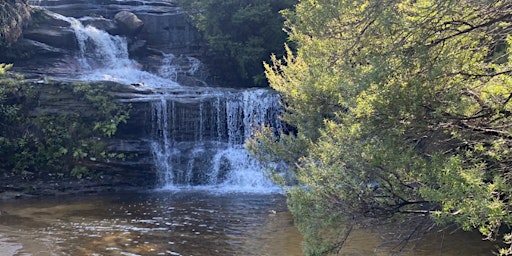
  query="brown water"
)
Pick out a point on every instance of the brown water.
point(185, 223)
point(447, 242)
point(156, 223)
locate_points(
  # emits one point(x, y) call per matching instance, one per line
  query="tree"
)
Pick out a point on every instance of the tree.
point(14, 14)
point(240, 34)
point(399, 108)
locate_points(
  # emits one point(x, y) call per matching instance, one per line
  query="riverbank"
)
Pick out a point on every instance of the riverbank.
point(15, 187)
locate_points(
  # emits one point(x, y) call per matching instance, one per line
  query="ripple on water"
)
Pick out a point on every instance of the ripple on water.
point(181, 223)
point(8, 247)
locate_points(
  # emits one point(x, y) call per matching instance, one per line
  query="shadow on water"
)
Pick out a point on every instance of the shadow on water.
point(156, 223)
point(188, 222)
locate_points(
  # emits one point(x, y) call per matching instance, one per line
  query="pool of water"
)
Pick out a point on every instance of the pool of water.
point(149, 223)
point(197, 222)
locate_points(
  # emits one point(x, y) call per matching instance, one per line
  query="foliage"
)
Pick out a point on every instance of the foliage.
point(52, 143)
point(241, 34)
point(402, 107)
point(13, 16)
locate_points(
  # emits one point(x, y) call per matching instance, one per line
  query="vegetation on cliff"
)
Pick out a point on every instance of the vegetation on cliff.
point(53, 143)
point(241, 35)
point(400, 108)
point(14, 15)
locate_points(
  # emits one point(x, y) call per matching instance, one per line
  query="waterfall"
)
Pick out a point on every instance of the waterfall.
point(167, 69)
point(104, 57)
point(161, 145)
point(206, 130)
point(197, 134)
point(172, 66)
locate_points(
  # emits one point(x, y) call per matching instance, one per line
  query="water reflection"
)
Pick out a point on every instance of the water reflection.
point(189, 223)
point(437, 242)
point(163, 223)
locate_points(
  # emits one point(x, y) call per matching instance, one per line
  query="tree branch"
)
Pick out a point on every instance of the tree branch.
point(485, 24)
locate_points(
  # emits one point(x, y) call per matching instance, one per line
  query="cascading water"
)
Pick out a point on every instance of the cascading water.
point(198, 138)
point(197, 133)
point(161, 145)
point(103, 56)
point(167, 70)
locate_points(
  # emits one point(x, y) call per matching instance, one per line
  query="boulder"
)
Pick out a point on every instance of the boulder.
point(129, 24)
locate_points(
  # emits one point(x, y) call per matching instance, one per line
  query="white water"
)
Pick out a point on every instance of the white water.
point(161, 145)
point(167, 70)
point(170, 68)
point(218, 125)
point(104, 57)
point(248, 177)
point(197, 133)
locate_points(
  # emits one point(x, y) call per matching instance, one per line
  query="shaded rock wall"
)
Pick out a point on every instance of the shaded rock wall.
point(58, 101)
point(131, 139)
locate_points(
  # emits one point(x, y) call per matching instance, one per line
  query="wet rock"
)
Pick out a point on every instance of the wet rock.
point(137, 48)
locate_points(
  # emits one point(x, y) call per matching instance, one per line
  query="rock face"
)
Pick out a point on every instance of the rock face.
point(153, 31)
point(56, 98)
point(166, 26)
point(63, 38)
point(14, 16)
